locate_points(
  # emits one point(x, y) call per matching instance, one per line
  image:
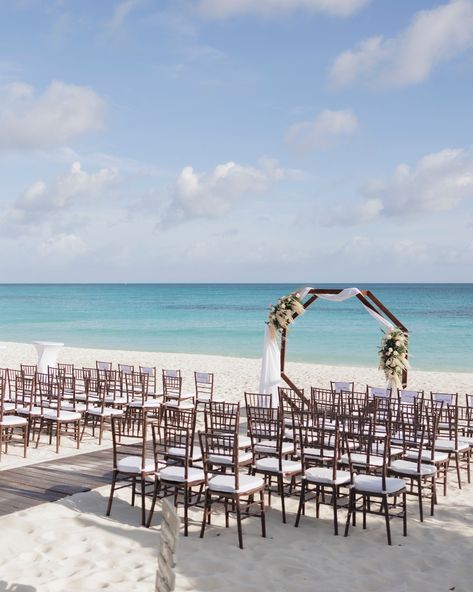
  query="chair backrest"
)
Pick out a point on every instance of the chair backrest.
point(204, 384)
point(103, 365)
point(321, 440)
point(129, 441)
point(67, 369)
point(28, 369)
point(409, 397)
point(2, 396)
point(378, 392)
point(224, 447)
point(171, 373)
point(150, 372)
point(126, 368)
point(136, 386)
point(446, 399)
point(222, 417)
point(258, 399)
point(265, 423)
point(342, 387)
point(172, 387)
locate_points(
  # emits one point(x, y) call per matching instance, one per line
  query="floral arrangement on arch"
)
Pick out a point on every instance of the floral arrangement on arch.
point(281, 315)
point(393, 356)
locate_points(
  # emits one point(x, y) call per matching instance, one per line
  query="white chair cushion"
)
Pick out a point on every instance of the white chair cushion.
point(426, 456)
point(8, 406)
point(79, 407)
point(175, 473)
point(146, 404)
point(243, 457)
point(360, 459)
point(105, 412)
point(226, 483)
point(12, 421)
point(118, 400)
point(372, 484)
point(180, 453)
point(36, 411)
point(183, 404)
point(317, 452)
point(269, 447)
point(271, 465)
point(132, 464)
point(244, 441)
point(324, 476)
point(405, 467)
point(449, 446)
point(52, 415)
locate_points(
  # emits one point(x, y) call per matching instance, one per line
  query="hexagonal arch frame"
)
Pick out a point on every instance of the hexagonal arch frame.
point(367, 298)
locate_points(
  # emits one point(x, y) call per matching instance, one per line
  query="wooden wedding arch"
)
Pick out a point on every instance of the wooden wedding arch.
point(367, 298)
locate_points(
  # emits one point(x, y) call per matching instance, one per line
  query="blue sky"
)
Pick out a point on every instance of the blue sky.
point(234, 140)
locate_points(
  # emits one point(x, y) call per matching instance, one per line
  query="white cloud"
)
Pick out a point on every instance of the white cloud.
point(62, 112)
point(66, 190)
point(211, 195)
point(433, 36)
point(222, 9)
point(323, 131)
point(62, 246)
point(438, 182)
point(122, 10)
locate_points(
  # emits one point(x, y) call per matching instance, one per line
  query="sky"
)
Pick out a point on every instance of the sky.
point(236, 141)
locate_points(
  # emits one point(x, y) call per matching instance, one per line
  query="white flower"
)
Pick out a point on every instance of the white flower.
point(398, 343)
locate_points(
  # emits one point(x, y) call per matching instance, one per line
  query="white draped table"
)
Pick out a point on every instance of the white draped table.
point(48, 352)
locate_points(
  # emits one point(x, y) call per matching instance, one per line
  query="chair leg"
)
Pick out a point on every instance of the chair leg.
point(207, 510)
point(263, 515)
point(186, 511)
point(26, 437)
point(457, 463)
point(110, 499)
point(386, 517)
point(350, 511)
point(153, 502)
point(143, 502)
point(301, 501)
point(86, 419)
point(419, 492)
point(433, 499)
point(404, 516)
point(335, 514)
point(238, 514)
point(281, 495)
point(39, 432)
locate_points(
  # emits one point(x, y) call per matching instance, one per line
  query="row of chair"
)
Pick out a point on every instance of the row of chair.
point(361, 456)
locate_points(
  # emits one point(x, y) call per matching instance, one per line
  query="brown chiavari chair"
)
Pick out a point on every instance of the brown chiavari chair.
point(66, 369)
point(172, 416)
point(420, 476)
point(101, 366)
point(320, 455)
point(221, 417)
point(131, 462)
point(28, 369)
point(173, 395)
point(9, 423)
point(54, 416)
point(233, 487)
point(258, 399)
point(449, 441)
point(8, 396)
point(204, 389)
point(322, 401)
point(182, 478)
point(28, 401)
point(150, 372)
point(96, 411)
point(268, 437)
point(111, 388)
point(136, 392)
point(376, 494)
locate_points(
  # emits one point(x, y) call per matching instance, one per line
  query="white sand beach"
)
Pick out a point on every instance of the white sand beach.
point(71, 545)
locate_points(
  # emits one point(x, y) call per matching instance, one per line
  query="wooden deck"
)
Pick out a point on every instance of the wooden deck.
point(28, 486)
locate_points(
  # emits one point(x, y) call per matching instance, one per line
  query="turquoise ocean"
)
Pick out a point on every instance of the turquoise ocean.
point(228, 319)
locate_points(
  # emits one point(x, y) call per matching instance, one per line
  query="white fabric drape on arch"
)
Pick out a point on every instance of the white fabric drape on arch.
point(271, 363)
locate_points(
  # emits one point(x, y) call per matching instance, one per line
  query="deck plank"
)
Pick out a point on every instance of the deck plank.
point(28, 486)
